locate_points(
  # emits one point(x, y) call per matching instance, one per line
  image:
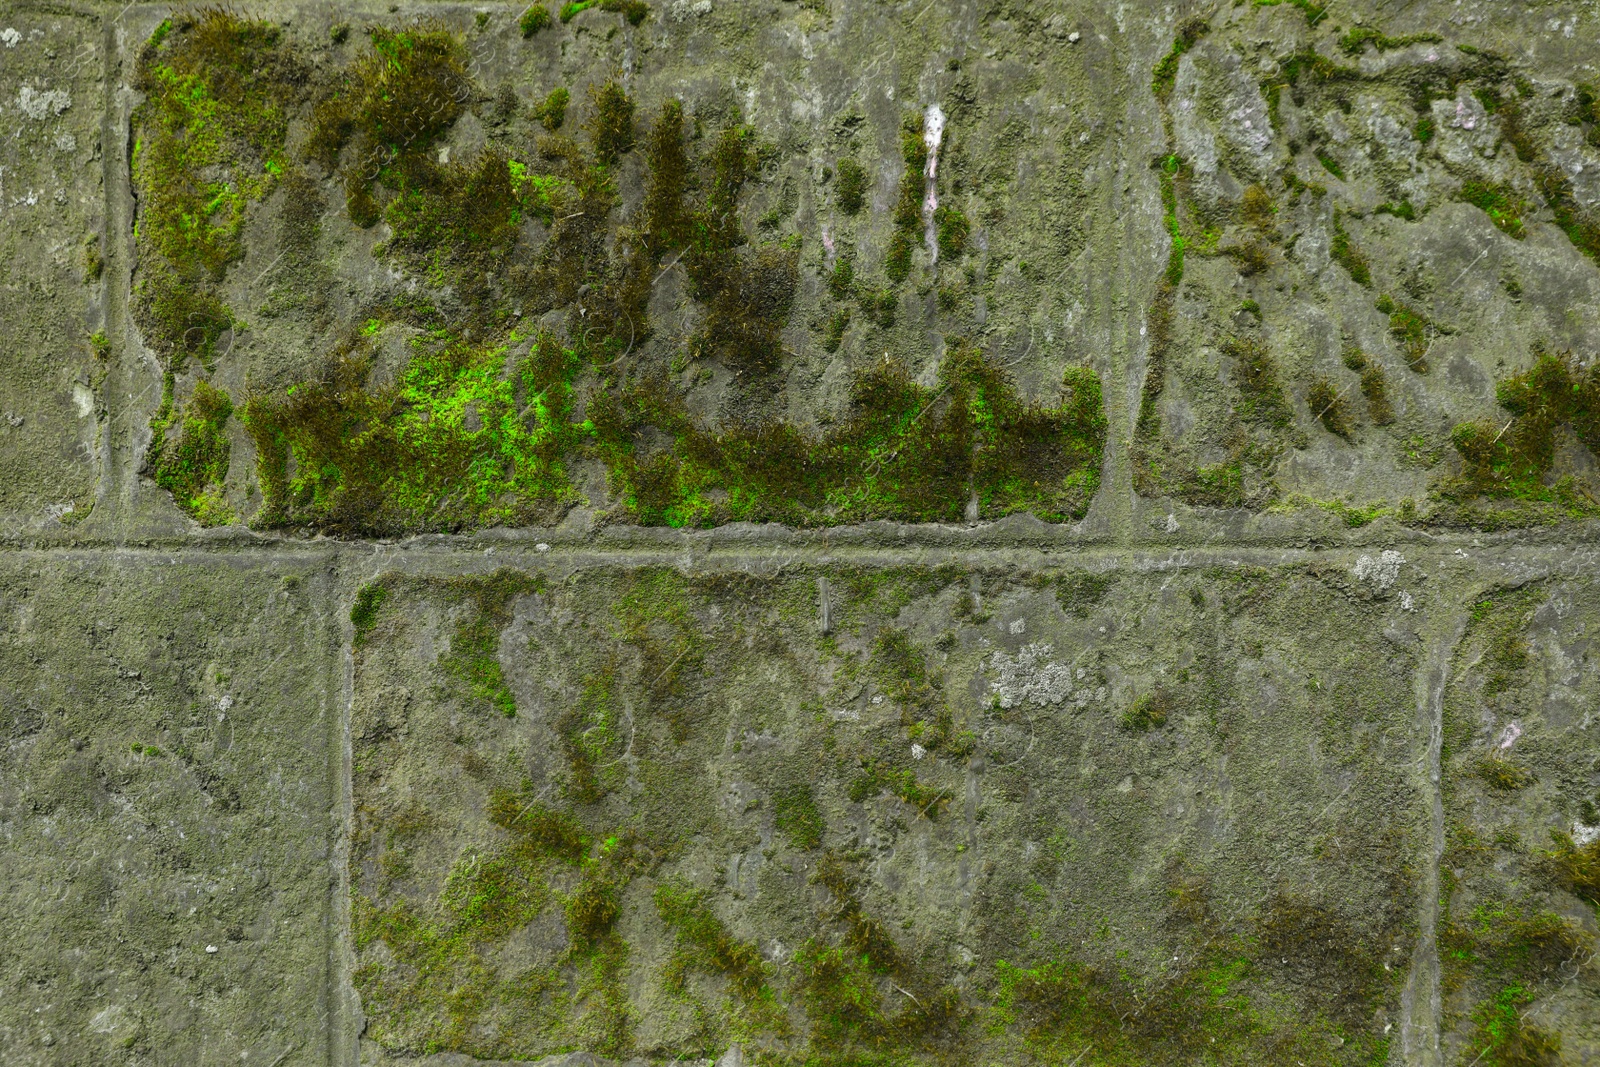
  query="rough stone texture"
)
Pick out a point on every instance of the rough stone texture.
point(1279, 749)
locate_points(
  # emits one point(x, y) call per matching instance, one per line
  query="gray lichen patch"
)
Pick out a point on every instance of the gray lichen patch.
point(984, 815)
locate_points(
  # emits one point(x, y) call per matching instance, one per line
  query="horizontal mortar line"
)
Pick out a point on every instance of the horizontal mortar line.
point(1525, 561)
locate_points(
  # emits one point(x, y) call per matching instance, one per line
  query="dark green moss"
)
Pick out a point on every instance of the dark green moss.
point(1330, 164)
point(702, 943)
point(952, 231)
point(903, 451)
point(1256, 374)
point(610, 122)
point(1326, 405)
point(534, 19)
point(877, 778)
point(379, 120)
point(1401, 210)
point(552, 111)
point(1344, 253)
point(1149, 711)
point(907, 217)
point(796, 816)
point(850, 192)
point(1411, 330)
point(1515, 459)
point(364, 611)
point(1354, 42)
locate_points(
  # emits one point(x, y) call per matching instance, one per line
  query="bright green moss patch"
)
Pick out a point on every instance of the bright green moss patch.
point(1330, 164)
point(1503, 206)
point(189, 453)
point(208, 142)
point(877, 777)
point(453, 443)
point(904, 451)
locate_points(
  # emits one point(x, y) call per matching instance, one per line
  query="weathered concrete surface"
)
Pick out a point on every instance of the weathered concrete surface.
point(1283, 752)
point(170, 798)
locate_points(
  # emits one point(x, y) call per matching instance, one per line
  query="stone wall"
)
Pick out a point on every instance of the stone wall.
point(824, 532)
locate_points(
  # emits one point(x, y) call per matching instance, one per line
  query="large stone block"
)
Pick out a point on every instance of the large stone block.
point(170, 804)
point(909, 814)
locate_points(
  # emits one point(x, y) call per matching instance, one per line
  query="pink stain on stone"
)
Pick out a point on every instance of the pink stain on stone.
point(1509, 735)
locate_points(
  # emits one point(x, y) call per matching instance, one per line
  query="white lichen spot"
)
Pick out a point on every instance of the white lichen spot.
point(1406, 601)
point(932, 136)
point(83, 400)
point(1583, 835)
point(10, 36)
point(1509, 735)
point(1019, 626)
point(65, 142)
point(1381, 570)
point(1030, 676)
point(541, 547)
point(1171, 525)
point(917, 751)
point(39, 105)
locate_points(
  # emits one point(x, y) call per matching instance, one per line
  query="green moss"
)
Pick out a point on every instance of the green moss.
point(1166, 71)
point(189, 454)
point(1330, 164)
point(208, 140)
point(1577, 867)
point(474, 655)
point(1326, 406)
point(1312, 10)
point(796, 816)
point(1348, 256)
point(1515, 459)
point(877, 777)
point(907, 215)
point(1256, 374)
point(702, 943)
point(364, 611)
point(1411, 330)
point(1401, 210)
point(379, 120)
point(1502, 774)
point(1503, 1038)
point(610, 122)
point(850, 192)
point(1149, 711)
point(1354, 42)
point(534, 19)
point(952, 231)
point(1503, 206)
point(904, 451)
point(552, 111)
point(452, 443)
